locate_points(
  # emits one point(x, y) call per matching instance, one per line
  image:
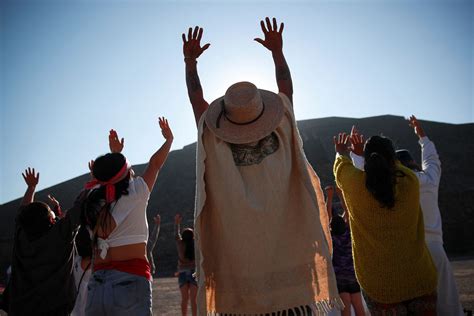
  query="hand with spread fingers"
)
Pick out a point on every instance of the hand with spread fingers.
point(31, 178)
point(357, 142)
point(165, 129)
point(192, 48)
point(115, 145)
point(273, 40)
point(341, 143)
point(413, 122)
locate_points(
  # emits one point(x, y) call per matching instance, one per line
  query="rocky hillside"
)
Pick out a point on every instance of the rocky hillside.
point(176, 183)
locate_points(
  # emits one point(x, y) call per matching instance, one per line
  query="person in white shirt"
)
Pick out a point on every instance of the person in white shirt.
point(428, 174)
point(82, 270)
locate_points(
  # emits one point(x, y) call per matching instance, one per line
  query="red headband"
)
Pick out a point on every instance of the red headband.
point(110, 184)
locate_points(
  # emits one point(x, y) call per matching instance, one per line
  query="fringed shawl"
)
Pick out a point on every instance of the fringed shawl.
point(261, 230)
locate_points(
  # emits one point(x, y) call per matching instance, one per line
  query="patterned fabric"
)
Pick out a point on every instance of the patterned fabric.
point(416, 306)
point(246, 155)
point(342, 257)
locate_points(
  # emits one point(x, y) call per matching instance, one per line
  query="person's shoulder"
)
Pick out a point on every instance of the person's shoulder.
point(137, 185)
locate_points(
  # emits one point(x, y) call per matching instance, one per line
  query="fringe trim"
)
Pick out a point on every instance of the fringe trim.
point(320, 308)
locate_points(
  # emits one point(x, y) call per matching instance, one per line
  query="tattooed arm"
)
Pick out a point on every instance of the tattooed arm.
point(192, 50)
point(274, 42)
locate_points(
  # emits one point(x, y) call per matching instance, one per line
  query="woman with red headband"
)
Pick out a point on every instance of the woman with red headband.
point(115, 212)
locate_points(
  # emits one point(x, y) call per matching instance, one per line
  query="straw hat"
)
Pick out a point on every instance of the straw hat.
point(244, 114)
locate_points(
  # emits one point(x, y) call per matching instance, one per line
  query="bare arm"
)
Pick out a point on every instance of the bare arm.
point(31, 178)
point(192, 50)
point(177, 226)
point(274, 42)
point(56, 206)
point(154, 234)
point(159, 157)
point(343, 203)
point(329, 195)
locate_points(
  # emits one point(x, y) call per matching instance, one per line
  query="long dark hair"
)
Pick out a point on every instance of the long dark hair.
point(381, 172)
point(96, 210)
point(188, 238)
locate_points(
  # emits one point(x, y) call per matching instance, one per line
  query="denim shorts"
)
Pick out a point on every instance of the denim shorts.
point(186, 277)
point(116, 293)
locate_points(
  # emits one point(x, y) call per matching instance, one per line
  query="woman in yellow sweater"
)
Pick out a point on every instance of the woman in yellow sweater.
point(391, 260)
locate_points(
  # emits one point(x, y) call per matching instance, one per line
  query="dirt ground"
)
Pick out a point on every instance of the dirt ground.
point(166, 296)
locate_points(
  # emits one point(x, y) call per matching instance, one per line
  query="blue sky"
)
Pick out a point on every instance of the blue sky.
point(72, 70)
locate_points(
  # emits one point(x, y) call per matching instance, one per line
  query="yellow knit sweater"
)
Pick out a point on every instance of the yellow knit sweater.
point(391, 260)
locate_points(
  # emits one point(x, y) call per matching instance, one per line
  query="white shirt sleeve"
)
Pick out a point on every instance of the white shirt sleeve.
point(431, 165)
point(357, 161)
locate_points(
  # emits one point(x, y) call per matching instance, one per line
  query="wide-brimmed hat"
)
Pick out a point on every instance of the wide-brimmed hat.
point(244, 114)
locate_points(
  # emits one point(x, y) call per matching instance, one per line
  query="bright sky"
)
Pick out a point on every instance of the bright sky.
point(72, 70)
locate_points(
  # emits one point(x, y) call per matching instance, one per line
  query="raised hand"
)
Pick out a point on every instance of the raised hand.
point(357, 142)
point(273, 38)
point(177, 219)
point(157, 219)
point(192, 46)
point(53, 200)
point(329, 190)
point(413, 122)
point(165, 128)
point(341, 143)
point(56, 206)
point(31, 178)
point(115, 145)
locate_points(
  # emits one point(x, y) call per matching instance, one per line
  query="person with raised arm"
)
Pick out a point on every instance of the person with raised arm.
point(261, 229)
point(115, 213)
point(428, 174)
point(150, 245)
point(186, 265)
point(342, 260)
point(392, 262)
point(42, 258)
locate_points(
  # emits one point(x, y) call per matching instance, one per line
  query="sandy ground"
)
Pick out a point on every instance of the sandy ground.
point(166, 296)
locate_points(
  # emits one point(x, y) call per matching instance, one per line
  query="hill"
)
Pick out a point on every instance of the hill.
point(175, 188)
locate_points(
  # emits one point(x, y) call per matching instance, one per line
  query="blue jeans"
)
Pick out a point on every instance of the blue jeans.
point(115, 293)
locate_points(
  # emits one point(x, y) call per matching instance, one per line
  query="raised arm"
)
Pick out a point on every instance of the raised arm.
point(56, 206)
point(431, 165)
point(192, 50)
point(177, 226)
point(343, 203)
point(159, 157)
point(329, 195)
point(31, 179)
point(115, 145)
point(154, 234)
point(273, 41)
point(357, 148)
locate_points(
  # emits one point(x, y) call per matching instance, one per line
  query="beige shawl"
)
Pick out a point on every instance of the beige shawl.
point(261, 230)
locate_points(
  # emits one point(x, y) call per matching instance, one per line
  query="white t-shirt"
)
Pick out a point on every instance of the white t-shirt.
point(81, 299)
point(129, 214)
